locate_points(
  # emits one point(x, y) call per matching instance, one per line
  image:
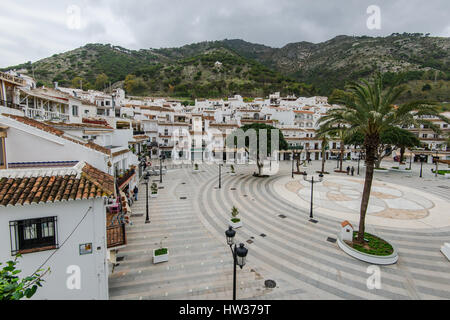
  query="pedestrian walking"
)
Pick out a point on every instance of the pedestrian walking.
point(348, 170)
point(353, 170)
point(135, 191)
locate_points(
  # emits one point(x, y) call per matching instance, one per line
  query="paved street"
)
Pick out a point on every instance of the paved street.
point(291, 251)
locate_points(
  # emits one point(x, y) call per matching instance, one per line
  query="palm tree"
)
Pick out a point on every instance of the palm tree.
point(369, 108)
point(325, 138)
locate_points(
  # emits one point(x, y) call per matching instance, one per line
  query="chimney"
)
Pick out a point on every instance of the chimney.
point(56, 84)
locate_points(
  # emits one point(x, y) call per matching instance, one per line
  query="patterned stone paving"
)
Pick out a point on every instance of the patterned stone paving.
point(294, 252)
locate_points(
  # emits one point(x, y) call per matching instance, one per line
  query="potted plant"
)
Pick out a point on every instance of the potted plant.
point(161, 254)
point(195, 167)
point(154, 189)
point(233, 173)
point(235, 222)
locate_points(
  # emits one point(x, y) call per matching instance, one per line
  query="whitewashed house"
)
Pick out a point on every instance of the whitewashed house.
point(55, 218)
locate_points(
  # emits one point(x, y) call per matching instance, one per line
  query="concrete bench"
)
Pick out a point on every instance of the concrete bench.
point(445, 249)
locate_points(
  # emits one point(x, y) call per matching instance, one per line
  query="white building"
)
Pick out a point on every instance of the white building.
point(55, 218)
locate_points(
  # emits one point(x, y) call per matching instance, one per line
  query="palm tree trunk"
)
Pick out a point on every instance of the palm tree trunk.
point(323, 160)
point(342, 155)
point(370, 145)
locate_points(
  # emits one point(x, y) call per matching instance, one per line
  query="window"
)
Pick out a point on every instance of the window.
point(33, 234)
point(2, 153)
point(75, 111)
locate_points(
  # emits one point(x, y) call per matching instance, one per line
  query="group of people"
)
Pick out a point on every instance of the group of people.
point(132, 195)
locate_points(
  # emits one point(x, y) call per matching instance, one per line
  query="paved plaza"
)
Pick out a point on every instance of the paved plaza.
point(191, 214)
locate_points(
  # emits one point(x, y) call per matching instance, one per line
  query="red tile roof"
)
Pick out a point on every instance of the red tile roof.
point(20, 187)
point(346, 223)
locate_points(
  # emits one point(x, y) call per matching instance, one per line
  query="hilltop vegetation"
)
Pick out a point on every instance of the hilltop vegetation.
point(249, 69)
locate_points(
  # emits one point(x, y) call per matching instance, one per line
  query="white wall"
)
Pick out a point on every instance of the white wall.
point(35, 145)
point(94, 272)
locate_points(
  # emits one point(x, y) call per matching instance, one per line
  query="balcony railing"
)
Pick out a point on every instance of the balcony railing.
point(126, 176)
point(11, 105)
point(45, 115)
point(116, 236)
point(11, 78)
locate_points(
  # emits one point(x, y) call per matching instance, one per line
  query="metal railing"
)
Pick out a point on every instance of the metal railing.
point(45, 115)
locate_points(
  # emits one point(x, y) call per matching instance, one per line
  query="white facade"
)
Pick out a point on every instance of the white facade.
point(93, 267)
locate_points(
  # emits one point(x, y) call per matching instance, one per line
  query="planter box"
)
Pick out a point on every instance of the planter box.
point(153, 195)
point(195, 171)
point(399, 170)
point(232, 173)
point(369, 258)
point(447, 175)
point(160, 258)
point(235, 225)
point(380, 170)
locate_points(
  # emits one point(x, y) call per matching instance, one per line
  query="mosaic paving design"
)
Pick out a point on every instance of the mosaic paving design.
point(344, 194)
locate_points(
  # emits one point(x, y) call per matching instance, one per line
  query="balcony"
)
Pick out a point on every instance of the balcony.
point(116, 236)
point(42, 114)
point(11, 105)
point(122, 180)
point(13, 79)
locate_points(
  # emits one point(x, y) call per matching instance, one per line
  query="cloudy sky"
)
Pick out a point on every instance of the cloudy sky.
point(31, 30)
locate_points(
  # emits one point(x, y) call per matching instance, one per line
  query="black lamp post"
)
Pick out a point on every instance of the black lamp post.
point(312, 190)
point(161, 158)
point(359, 159)
point(239, 255)
point(146, 178)
point(292, 171)
point(422, 159)
point(410, 161)
point(220, 175)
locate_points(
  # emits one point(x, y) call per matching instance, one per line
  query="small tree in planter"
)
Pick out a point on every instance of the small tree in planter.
point(154, 189)
point(195, 167)
point(233, 173)
point(235, 222)
point(161, 254)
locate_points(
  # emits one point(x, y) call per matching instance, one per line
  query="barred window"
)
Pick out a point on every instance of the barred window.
point(40, 233)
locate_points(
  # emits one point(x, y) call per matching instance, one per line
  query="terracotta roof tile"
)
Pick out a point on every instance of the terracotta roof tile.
point(20, 187)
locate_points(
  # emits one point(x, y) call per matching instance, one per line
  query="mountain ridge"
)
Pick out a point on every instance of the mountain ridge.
point(254, 69)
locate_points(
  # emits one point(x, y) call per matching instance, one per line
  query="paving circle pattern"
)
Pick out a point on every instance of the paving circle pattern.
point(344, 194)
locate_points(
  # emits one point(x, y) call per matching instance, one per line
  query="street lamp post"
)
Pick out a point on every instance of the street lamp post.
point(220, 175)
point(312, 190)
point(239, 255)
point(359, 159)
point(422, 159)
point(161, 158)
point(292, 171)
point(146, 178)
